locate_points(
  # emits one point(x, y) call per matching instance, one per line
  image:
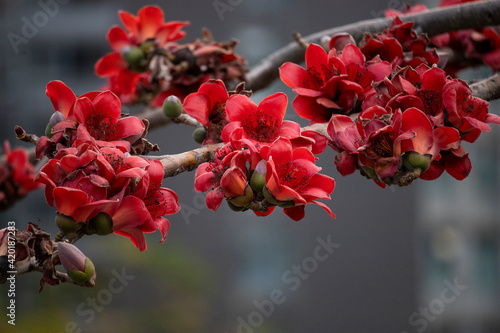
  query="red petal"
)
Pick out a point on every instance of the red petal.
point(293, 75)
point(415, 120)
point(296, 213)
point(169, 32)
point(197, 105)
point(150, 20)
point(275, 106)
point(325, 207)
point(289, 130)
point(216, 91)
point(214, 199)
point(69, 199)
point(131, 213)
point(317, 62)
point(458, 167)
point(239, 107)
point(128, 128)
point(107, 105)
point(118, 39)
point(61, 96)
point(110, 64)
point(352, 55)
point(129, 21)
point(135, 235)
point(309, 109)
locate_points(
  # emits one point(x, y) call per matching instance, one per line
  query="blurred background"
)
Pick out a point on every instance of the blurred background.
point(422, 258)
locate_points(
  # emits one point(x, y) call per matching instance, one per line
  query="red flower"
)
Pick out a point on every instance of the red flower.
point(468, 114)
point(87, 180)
point(208, 107)
point(128, 59)
point(294, 180)
point(94, 114)
point(379, 142)
point(209, 174)
point(331, 83)
point(259, 125)
point(16, 176)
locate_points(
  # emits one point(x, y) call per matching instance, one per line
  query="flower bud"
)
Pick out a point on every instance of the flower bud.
point(147, 45)
point(269, 197)
point(199, 134)
point(67, 224)
point(172, 107)
point(133, 55)
point(233, 182)
point(413, 160)
point(56, 118)
point(234, 207)
point(242, 200)
point(286, 204)
point(101, 224)
point(77, 265)
point(48, 130)
point(258, 179)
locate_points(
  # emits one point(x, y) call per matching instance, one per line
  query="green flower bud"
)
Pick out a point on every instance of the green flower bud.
point(234, 207)
point(83, 276)
point(369, 172)
point(286, 204)
point(133, 55)
point(243, 200)
point(67, 224)
point(79, 268)
point(258, 179)
point(172, 107)
point(48, 130)
point(413, 160)
point(147, 45)
point(101, 224)
point(199, 134)
point(269, 197)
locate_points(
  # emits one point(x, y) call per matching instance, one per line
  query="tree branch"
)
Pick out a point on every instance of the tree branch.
point(488, 89)
point(432, 22)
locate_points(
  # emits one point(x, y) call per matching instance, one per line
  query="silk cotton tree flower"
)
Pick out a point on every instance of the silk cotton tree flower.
point(333, 83)
point(293, 180)
point(94, 114)
point(208, 107)
point(16, 176)
point(252, 125)
point(95, 186)
point(129, 60)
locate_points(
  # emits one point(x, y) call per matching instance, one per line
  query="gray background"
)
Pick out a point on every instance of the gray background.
point(397, 246)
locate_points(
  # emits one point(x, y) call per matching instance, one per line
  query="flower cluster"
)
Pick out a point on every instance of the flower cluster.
point(16, 176)
point(400, 45)
point(266, 161)
point(96, 184)
point(147, 64)
point(412, 127)
point(333, 83)
point(471, 46)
